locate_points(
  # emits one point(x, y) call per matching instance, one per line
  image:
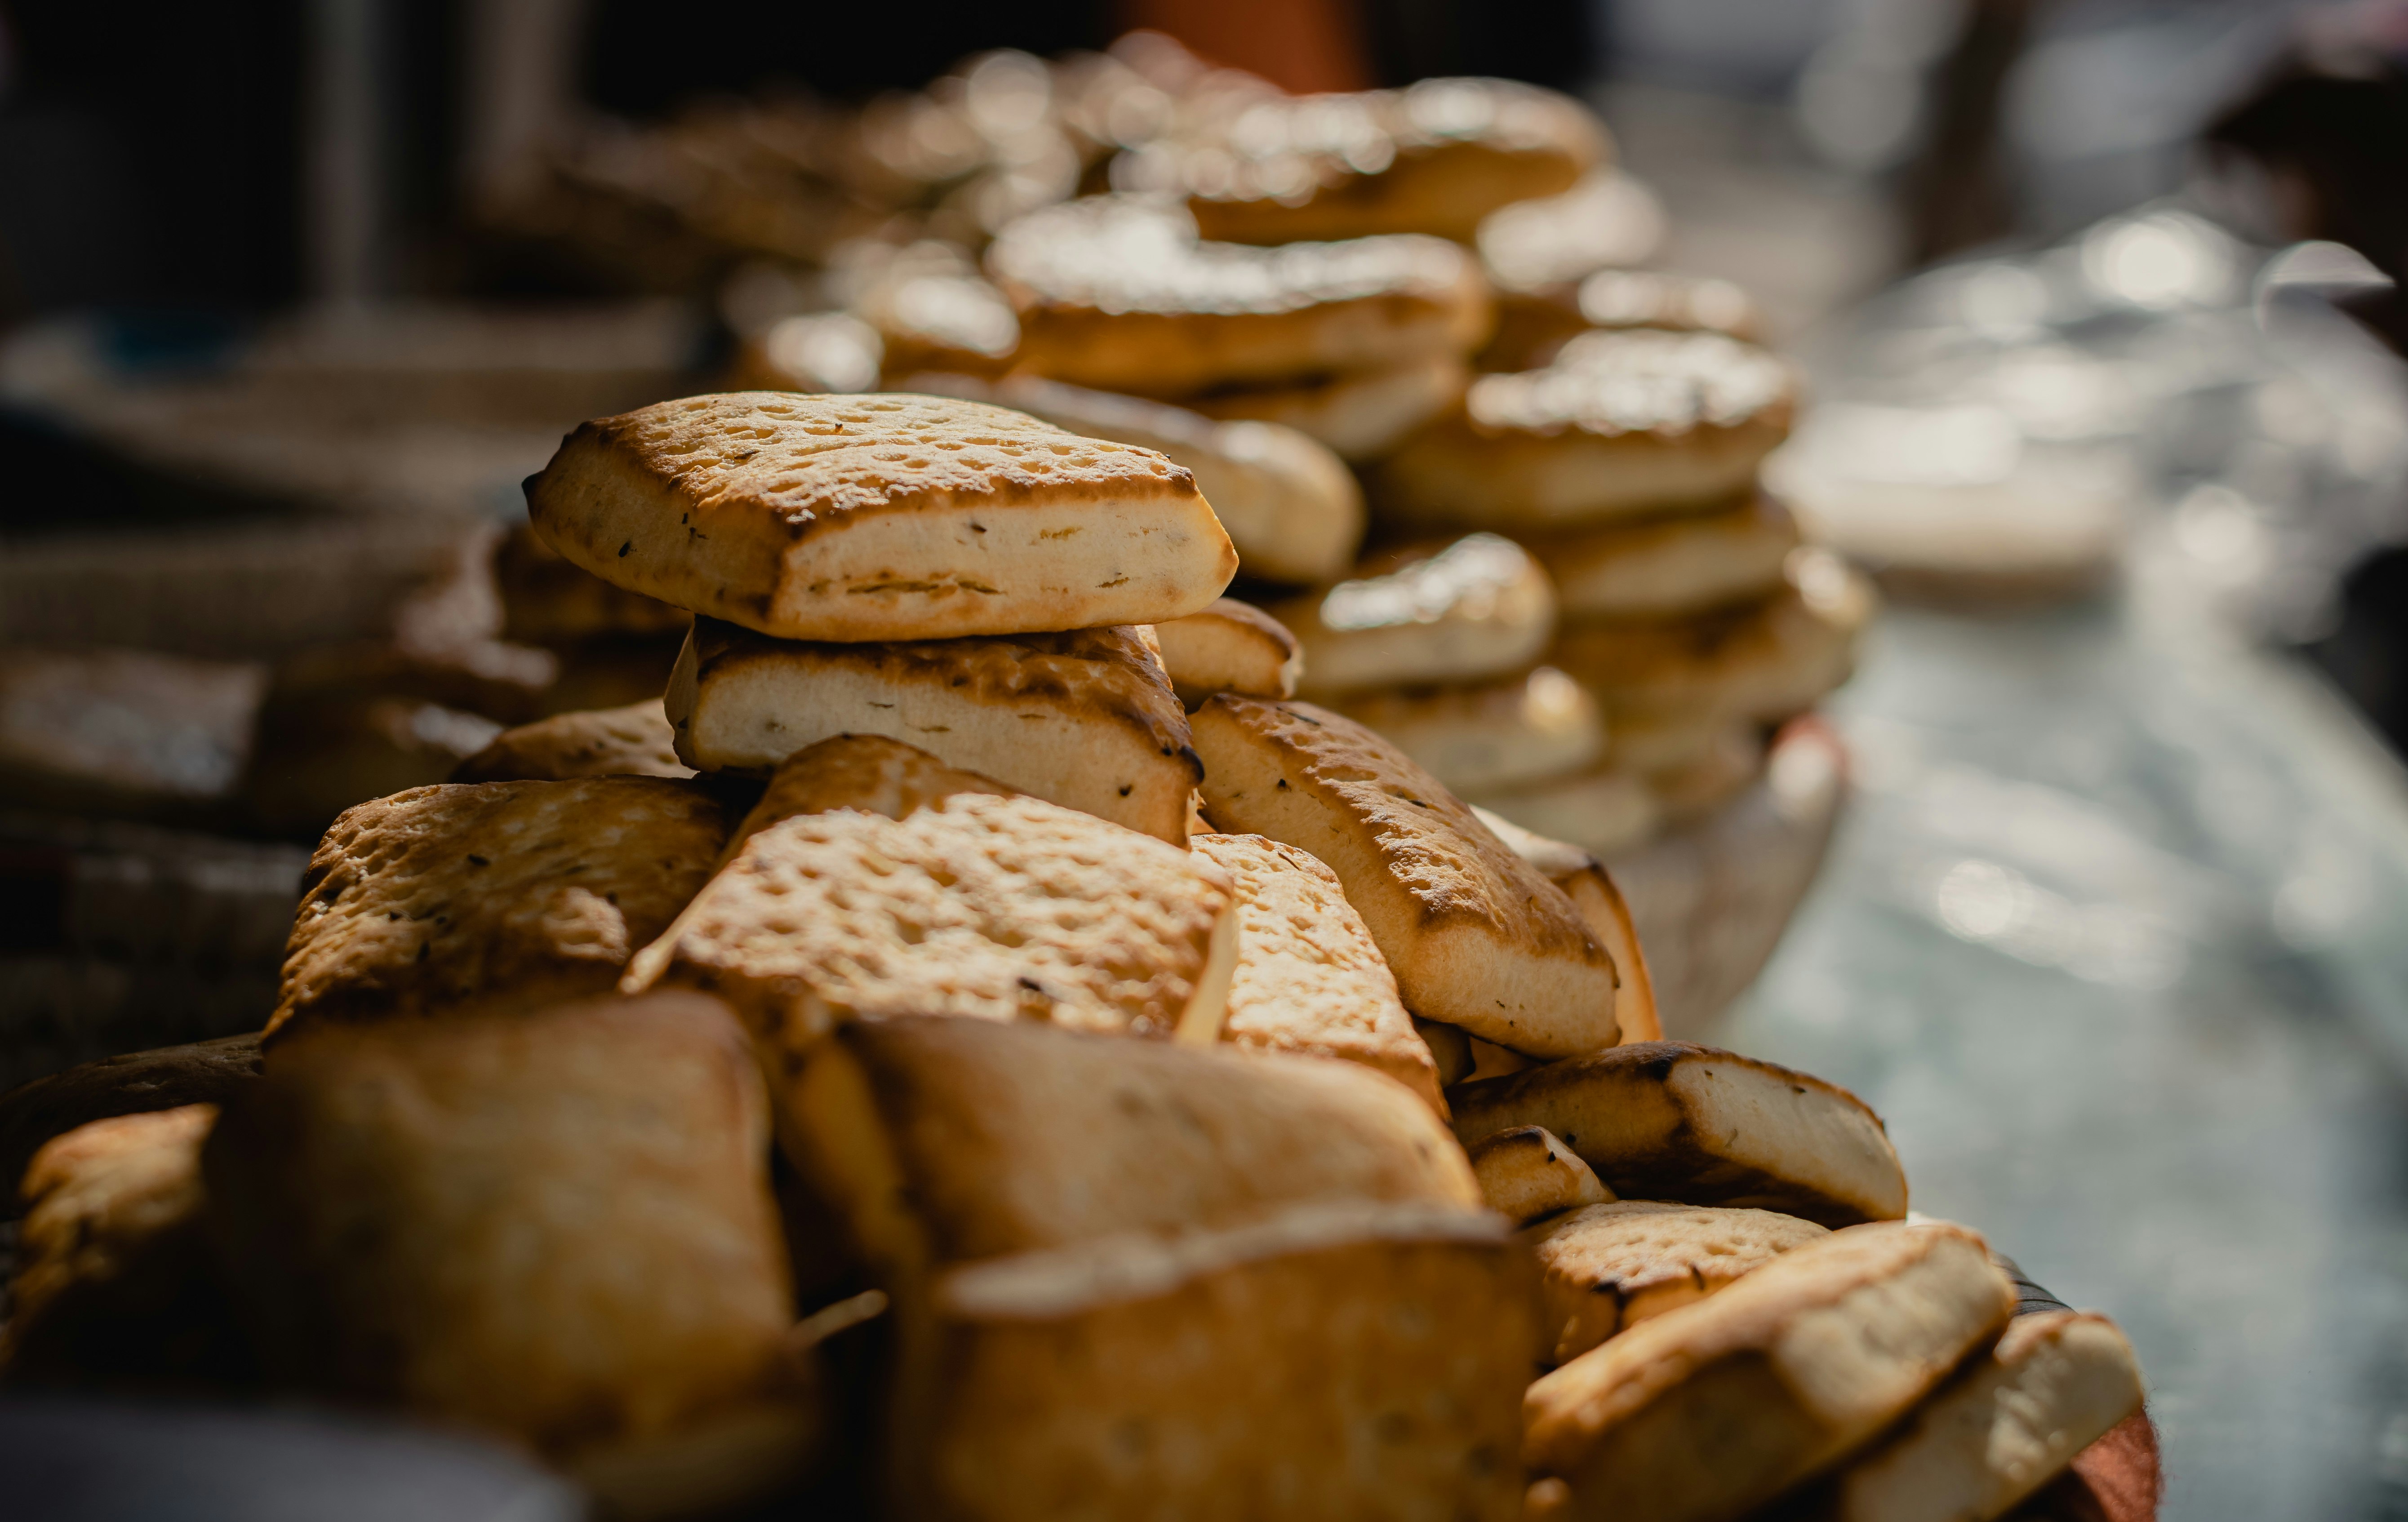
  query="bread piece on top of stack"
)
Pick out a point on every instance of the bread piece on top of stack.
point(1626, 460)
point(1354, 342)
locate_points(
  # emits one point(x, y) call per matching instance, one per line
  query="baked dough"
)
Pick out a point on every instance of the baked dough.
point(166, 1078)
point(1491, 736)
point(556, 1227)
point(1667, 567)
point(1086, 719)
point(1706, 1412)
point(2005, 1425)
point(1621, 425)
point(1767, 660)
point(631, 741)
point(1123, 1271)
point(1691, 791)
point(868, 772)
point(1116, 292)
point(997, 908)
point(1435, 157)
point(1435, 611)
point(113, 1283)
point(1610, 1267)
point(1231, 647)
point(1533, 323)
point(511, 894)
point(1601, 811)
point(1547, 243)
point(1360, 414)
point(1666, 1120)
point(879, 517)
point(1309, 978)
point(1594, 893)
point(1291, 507)
point(1476, 937)
point(1527, 1173)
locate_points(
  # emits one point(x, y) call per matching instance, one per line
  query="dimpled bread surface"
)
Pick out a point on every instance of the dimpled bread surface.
point(879, 517)
point(1308, 977)
point(518, 891)
point(993, 907)
point(1476, 937)
point(868, 772)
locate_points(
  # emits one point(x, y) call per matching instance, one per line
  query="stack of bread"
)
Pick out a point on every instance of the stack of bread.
point(996, 1089)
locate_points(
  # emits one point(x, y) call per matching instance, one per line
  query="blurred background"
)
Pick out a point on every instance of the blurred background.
point(2098, 304)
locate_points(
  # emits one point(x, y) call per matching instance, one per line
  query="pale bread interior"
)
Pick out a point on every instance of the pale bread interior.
point(1527, 1173)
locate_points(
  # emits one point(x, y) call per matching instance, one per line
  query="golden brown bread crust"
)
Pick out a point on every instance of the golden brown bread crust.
point(555, 1227)
point(1015, 1139)
point(1668, 1120)
point(1435, 157)
point(515, 892)
point(1479, 737)
point(1115, 291)
point(1232, 647)
point(1534, 324)
point(1475, 935)
point(1528, 1174)
point(879, 517)
point(1371, 1377)
point(1085, 719)
point(1610, 1267)
point(631, 741)
point(1599, 899)
point(1766, 659)
point(991, 907)
point(1706, 1412)
point(1309, 978)
point(2009, 1421)
point(1440, 611)
point(1360, 414)
point(1622, 425)
point(1291, 507)
point(1078, 1230)
point(1602, 809)
point(166, 1078)
point(868, 772)
point(1543, 246)
point(113, 1283)
point(1667, 567)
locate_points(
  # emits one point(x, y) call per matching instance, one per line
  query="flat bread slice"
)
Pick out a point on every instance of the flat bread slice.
point(1443, 610)
point(1602, 809)
point(1309, 978)
point(876, 517)
point(867, 772)
point(1706, 1412)
point(515, 893)
point(555, 1227)
point(1662, 567)
point(994, 908)
point(1483, 737)
point(1666, 1120)
point(1239, 1258)
point(2004, 1427)
point(631, 741)
point(1476, 937)
point(1292, 508)
point(1085, 719)
point(1230, 647)
point(1610, 1267)
point(1359, 414)
point(1595, 894)
point(1528, 1174)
